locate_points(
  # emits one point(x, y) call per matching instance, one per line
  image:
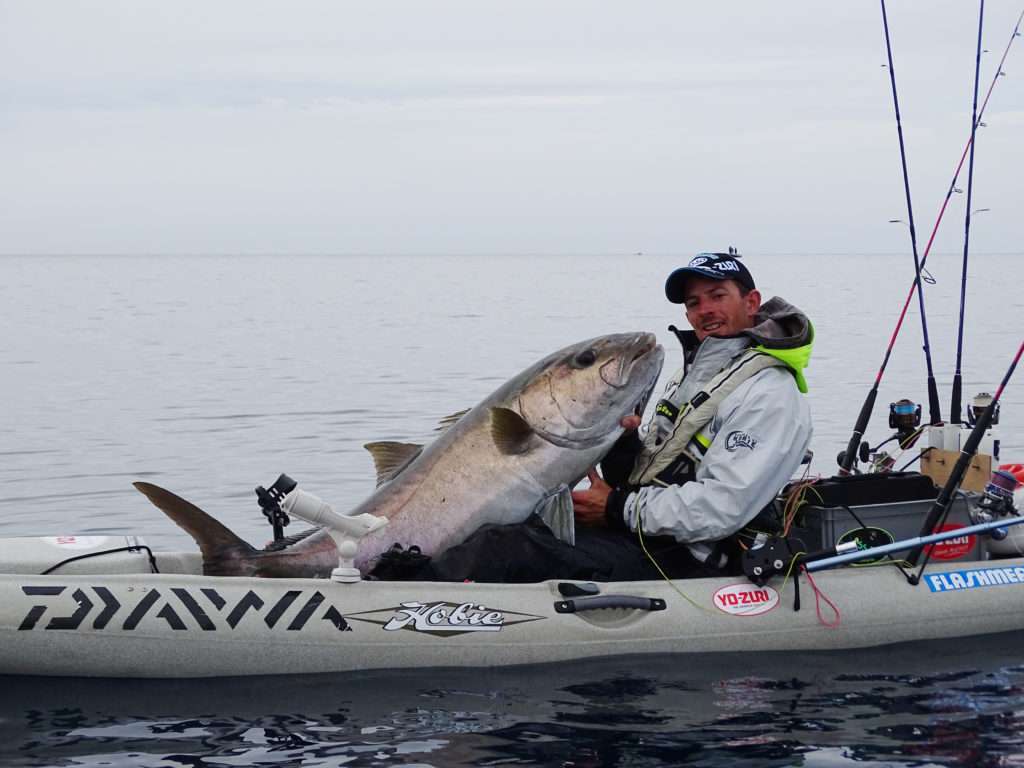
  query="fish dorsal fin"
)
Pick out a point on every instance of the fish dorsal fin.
point(510, 431)
point(449, 421)
point(390, 458)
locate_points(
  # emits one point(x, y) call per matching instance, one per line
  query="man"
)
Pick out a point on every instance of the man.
point(730, 430)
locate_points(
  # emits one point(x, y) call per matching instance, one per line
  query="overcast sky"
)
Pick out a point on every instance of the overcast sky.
point(497, 127)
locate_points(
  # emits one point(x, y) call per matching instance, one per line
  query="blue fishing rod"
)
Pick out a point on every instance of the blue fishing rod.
point(954, 408)
point(934, 410)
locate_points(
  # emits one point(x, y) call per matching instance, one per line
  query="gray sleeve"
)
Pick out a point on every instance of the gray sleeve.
point(761, 433)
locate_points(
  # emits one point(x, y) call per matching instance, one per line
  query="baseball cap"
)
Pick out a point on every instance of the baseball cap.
point(714, 266)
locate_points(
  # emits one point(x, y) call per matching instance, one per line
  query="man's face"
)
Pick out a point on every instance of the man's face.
point(717, 308)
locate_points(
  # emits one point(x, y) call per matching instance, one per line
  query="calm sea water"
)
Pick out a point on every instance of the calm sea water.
point(211, 375)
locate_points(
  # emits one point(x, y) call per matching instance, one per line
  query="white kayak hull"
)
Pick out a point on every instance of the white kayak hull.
point(180, 625)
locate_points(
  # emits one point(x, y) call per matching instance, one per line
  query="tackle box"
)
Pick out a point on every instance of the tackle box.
point(897, 503)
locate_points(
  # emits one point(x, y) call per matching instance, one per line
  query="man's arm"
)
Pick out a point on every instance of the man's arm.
point(764, 429)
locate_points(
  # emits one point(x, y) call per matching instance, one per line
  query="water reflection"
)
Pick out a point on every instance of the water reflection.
point(923, 705)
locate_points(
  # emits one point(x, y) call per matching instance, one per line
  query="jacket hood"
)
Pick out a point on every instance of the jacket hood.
point(784, 332)
point(780, 325)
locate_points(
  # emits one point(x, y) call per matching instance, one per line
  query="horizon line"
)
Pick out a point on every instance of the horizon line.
point(429, 254)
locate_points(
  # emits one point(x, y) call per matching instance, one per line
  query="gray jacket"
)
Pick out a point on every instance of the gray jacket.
point(759, 436)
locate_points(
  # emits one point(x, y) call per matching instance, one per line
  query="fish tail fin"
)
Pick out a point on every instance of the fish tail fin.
point(224, 553)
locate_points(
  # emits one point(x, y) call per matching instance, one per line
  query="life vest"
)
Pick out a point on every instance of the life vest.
point(686, 442)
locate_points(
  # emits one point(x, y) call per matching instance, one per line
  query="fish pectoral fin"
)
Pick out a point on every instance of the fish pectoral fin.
point(556, 510)
point(510, 431)
point(449, 421)
point(390, 458)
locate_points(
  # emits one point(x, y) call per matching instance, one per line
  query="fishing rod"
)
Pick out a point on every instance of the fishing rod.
point(777, 556)
point(954, 407)
point(872, 553)
point(970, 447)
point(847, 458)
point(935, 416)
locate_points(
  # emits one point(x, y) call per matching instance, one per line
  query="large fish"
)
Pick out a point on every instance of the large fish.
point(517, 452)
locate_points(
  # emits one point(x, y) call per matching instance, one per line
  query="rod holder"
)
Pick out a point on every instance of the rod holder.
point(346, 530)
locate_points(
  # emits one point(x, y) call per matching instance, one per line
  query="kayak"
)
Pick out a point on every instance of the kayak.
point(173, 624)
point(109, 607)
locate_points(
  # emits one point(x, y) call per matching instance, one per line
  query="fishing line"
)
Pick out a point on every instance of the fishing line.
point(935, 415)
point(869, 402)
point(954, 407)
point(919, 456)
point(643, 546)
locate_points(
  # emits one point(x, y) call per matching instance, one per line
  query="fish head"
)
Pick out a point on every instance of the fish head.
point(577, 396)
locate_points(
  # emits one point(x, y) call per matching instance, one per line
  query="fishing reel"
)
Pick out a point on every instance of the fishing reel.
point(981, 401)
point(996, 502)
point(904, 417)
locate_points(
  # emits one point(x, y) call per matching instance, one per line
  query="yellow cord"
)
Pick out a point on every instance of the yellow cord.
point(796, 498)
point(643, 546)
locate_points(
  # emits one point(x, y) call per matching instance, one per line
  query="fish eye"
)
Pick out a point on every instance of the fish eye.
point(585, 358)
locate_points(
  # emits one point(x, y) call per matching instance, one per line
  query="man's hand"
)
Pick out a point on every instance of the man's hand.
point(630, 422)
point(589, 504)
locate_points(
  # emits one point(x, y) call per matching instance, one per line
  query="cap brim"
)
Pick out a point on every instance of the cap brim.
point(675, 286)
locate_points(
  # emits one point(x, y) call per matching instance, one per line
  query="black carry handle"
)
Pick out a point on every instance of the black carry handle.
point(580, 604)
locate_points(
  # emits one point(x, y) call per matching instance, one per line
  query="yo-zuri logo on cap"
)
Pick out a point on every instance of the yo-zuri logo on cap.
point(699, 261)
point(727, 266)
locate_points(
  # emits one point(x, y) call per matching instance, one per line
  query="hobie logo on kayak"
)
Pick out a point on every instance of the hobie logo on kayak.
point(745, 599)
point(442, 618)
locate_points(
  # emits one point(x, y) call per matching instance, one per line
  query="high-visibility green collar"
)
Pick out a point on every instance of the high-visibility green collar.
point(795, 358)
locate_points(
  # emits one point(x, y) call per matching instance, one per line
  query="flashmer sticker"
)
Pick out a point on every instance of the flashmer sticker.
point(974, 578)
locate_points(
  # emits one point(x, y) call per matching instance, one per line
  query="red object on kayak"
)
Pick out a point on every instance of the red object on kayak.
point(1017, 470)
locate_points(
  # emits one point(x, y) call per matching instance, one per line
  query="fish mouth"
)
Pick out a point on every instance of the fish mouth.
point(641, 404)
point(618, 372)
